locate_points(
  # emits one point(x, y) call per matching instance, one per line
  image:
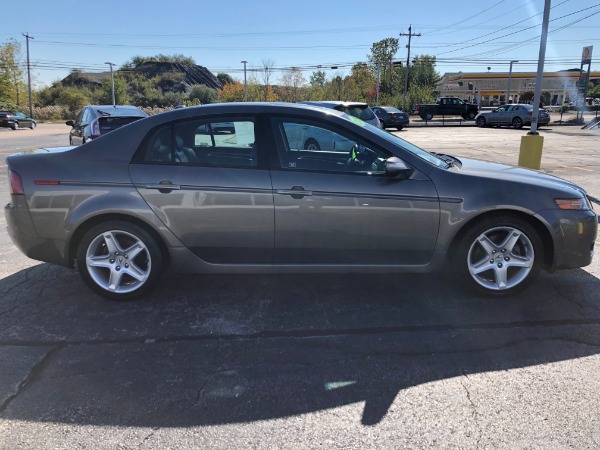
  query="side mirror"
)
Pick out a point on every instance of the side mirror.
point(396, 168)
point(70, 123)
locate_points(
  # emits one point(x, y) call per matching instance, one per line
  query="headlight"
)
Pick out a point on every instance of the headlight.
point(572, 203)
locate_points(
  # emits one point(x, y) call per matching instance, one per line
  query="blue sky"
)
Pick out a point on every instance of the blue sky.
point(465, 36)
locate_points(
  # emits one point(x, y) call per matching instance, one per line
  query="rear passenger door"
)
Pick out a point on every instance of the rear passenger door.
point(206, 181)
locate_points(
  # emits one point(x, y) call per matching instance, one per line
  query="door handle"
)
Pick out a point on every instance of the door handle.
point(296, 192)
point(163, 186)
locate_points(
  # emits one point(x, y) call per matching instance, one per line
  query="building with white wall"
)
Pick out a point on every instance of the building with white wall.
point(490, 88)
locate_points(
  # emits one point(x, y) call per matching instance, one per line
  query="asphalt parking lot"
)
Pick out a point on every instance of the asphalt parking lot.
point(305, 361)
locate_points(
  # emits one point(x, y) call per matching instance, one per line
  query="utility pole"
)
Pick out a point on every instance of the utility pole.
point(112, 81)
point(245, 85)
point(27, 37)
point(410, 35)
point(509, 80)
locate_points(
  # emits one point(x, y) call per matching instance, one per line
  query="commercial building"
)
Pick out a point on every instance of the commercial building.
point(491, 88)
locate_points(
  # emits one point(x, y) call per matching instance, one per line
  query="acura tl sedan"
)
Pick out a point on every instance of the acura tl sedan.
point(231, 188)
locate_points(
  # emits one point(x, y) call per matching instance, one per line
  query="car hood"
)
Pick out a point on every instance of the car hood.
point(497, 171)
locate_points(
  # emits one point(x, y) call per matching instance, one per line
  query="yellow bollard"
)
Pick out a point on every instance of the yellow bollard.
point(530, 155)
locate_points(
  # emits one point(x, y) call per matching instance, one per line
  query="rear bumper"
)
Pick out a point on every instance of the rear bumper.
point(24, 235)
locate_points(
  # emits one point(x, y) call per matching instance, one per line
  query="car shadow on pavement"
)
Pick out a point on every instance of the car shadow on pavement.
point(205, 350)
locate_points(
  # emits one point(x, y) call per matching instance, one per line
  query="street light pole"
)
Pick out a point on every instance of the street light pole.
point(245, 86)
point(540, 69)
point(27, 37)
point(112, 81)
point(509, 79)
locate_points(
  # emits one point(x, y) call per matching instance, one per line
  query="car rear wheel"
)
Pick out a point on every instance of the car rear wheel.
point(399, 128)
point(15, 126)
point(470, 115)
point(481, 122)
point(517, 123)
point(499, 255)
point(427, 116)
point(119, 260)
point(311, 144)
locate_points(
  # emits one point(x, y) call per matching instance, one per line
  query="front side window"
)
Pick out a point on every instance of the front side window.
point(203, 142)
point(307, 146)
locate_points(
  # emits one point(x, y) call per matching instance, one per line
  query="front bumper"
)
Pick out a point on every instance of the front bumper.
point(574, 234)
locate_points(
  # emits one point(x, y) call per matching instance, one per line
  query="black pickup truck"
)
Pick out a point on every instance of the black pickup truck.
point(447, 106)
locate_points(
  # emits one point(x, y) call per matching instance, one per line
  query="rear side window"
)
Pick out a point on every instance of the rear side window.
point(203, 142)
point(362, 112)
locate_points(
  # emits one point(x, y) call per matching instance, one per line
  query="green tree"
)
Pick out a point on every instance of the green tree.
point(121, 94)
point(318, 79)
point(225, 78)
point(73, 100)
point(291, 84)
point(383, 53)
point(12, 86)
point(203, 94)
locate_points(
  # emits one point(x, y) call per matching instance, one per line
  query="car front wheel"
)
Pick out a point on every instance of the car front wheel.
point(481, 122)
point(15, 126)
point(119, 260)
point(32, 126)
point(499, 255)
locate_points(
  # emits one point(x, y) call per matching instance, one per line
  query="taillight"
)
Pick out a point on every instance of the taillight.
point(16, 186)
point(95, 129)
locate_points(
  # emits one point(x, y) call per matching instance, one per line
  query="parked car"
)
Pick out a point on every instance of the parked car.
point(170, 191)
point(448, 106)
point(94, 121)
point(16, 120)
point(355, 109)
point(391, 117)
point(513, 115)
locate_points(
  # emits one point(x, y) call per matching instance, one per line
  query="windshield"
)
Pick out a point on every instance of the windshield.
point(409, 147)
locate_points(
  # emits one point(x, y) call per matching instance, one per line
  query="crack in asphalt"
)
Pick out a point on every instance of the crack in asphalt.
point(475, 413)
point(315, 333)
point(34, 373)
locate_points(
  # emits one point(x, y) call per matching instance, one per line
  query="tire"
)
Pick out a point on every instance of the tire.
point(15, 126)
point(32, 126)
point(470, 115)
point(481, 122)
point(427, 116)
point(517, 123)
point(119, 260)
point(399, 128)
point(311, 144)
point(511, 243)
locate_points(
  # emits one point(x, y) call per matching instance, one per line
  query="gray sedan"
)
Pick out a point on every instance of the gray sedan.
point(512, 116)
point(231, 188)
